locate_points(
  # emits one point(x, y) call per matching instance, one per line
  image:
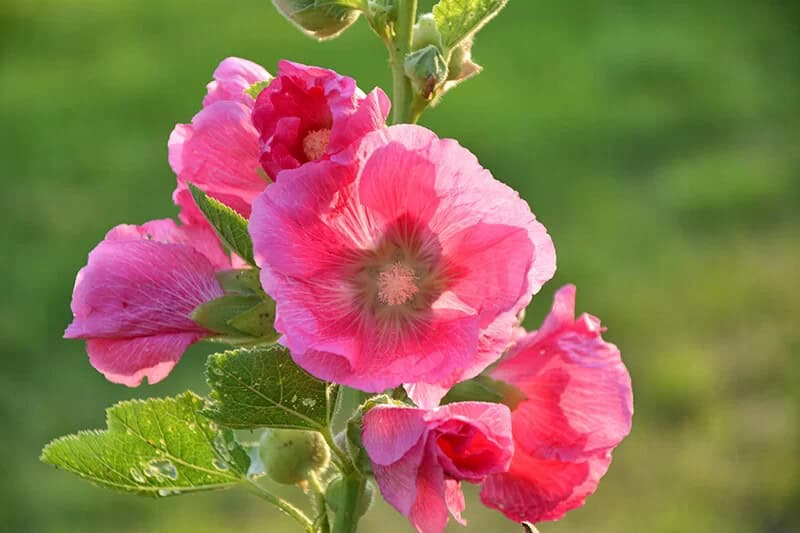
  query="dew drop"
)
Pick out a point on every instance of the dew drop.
point(162, 469)
point(220, 465)
point(137, 476)
point(309, 402)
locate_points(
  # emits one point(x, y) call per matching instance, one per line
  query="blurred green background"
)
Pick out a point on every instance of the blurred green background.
point(657, 141)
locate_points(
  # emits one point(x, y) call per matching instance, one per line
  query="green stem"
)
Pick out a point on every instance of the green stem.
point(318, 500)
point(283, 505)
point(346, 520)
point(399, 46)
point(339, 457)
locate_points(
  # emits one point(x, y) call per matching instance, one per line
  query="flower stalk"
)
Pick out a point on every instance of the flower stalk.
point(399, 46)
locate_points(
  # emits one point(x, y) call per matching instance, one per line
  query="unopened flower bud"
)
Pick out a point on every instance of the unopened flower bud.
point(426, 33)
point(290, 455)
point(427, 70)
point(318, 21)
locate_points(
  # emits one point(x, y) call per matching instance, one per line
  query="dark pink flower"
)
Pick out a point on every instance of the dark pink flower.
point(579, 407)
point(308, 113)
point(406, 265)
point(420, 457)
point(133, 300)
point(218, 151)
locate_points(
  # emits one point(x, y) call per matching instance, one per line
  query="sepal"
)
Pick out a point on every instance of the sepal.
point(427, 70)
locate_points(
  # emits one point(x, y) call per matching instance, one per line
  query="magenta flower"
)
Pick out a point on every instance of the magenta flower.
point(219, 150)
point(420, 457)
point(132, 302)
point(578, 408)
point(308, 113)
point(406, 265)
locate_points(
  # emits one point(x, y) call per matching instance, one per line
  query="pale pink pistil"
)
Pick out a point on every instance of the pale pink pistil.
point(315, 143)
point(396, 284)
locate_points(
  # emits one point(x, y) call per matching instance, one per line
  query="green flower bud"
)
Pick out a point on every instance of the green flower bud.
point(290, 455)
point(427, 70)
point(426, 33)
point(317, 18)
point(334, 495)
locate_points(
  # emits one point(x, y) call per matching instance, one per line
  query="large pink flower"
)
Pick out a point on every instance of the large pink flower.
point(578, 408)
point(420, 457)
point(218, 151)
point(133, 300)
point(406, 264)
point(307, 113)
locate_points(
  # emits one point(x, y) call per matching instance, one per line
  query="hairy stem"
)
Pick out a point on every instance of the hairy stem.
point(283, 505)
point(399, 46)
point(354, 486)
point(318, 500)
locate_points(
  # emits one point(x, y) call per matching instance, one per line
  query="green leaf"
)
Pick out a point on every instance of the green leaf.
point(262, 387)
point(156, 447)
point(460, 19)
point(230, 225)
point(255, 89)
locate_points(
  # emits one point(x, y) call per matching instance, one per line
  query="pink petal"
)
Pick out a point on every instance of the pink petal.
point(218, 152)
point(201, 238)
point(426, 395)
point(398, 481)
point(231, 78)
point(390, 432)
point(128, 361)
point(429, 512)
point(140, 288)
point(454, 498)
point(476, 439)
point(537, 490)
point(370, 115)
point(579, 391)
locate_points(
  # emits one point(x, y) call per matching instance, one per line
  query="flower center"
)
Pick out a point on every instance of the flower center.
point(315, 143)
point(396, 284)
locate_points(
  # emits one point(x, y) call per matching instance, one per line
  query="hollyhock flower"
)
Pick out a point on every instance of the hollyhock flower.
point(420, 457)
point(308, 113)
point(218, 151)
point(578, 408)
point(133, 300)
point(305, 113)
point(406, 264)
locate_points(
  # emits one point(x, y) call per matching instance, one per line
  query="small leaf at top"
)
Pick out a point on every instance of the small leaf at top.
point(262, 387)
point(156, 447)
point(255, 89)
point(460, 19)
point(229, 225)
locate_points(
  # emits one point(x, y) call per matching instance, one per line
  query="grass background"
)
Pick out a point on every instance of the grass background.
point(657, 141)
